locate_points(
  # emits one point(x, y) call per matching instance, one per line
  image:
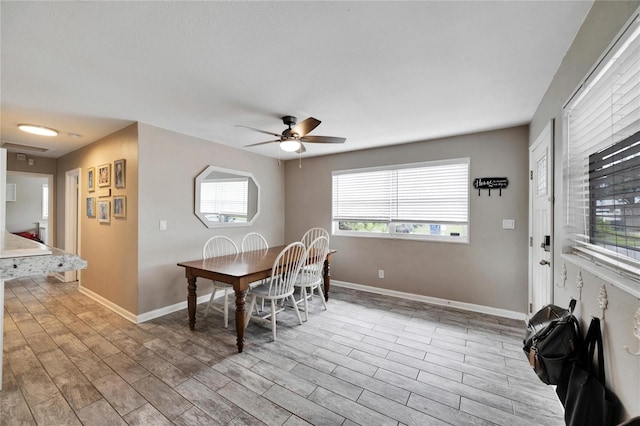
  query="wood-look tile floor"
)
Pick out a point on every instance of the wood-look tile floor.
point(367, 360)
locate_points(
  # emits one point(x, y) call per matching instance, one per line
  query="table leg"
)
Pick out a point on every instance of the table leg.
point(191, 301)
point(326, 274)
point(240, 317)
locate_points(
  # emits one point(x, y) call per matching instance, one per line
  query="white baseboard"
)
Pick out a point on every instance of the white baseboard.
point(434, 300)
point(108, 304)
point(147, 316)
point(156, 313)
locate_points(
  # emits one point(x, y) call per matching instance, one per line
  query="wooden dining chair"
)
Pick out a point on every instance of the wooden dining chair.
point(311, 276)
point(279, 287)
point(219, 245)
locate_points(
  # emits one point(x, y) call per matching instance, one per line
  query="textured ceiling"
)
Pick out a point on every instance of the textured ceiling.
point(377, 73)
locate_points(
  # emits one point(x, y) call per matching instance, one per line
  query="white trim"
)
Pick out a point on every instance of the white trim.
point(72, 191)
point(147, 316)
point(108, 304)
point(156, 313)
point(434, 300)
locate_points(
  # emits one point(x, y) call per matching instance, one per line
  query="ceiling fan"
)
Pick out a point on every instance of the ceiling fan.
point(292, 138)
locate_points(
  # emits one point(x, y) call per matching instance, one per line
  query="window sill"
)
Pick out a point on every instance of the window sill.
point(623, 283)
point(405, 237)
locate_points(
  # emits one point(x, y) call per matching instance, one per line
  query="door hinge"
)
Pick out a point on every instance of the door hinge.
point(530, 174)
point(530, 241)
point(530, 308)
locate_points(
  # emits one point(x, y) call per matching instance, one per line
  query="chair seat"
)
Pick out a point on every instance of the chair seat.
point(307, 282)
point(307, 279)
point(262, 291)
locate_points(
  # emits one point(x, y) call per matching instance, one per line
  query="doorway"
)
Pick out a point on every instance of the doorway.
point(541, 168)
point(31, 206)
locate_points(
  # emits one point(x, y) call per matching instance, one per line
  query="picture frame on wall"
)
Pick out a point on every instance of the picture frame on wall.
point(104, 175)
point(120, 206)
point(91, 179)
point(104, 211)
point(119, 173)
point(91, 207)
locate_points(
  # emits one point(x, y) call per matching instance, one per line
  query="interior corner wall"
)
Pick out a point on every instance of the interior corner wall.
point(490, 271)
point(599, 29)
point(169, 164)
point(111, 249)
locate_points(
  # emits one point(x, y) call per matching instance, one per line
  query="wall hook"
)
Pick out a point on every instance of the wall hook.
point(636, 332)
point(602, 299)
point(563, 276)
point(579, 284)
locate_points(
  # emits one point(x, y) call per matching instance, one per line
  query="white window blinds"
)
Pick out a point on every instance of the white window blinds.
point(604, 113)
point(427, 192)
point(225, 196)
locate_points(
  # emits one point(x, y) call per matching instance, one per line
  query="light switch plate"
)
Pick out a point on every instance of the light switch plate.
point(163, 225)
point(508, 224)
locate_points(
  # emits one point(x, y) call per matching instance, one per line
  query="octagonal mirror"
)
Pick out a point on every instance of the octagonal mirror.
point(225, 197)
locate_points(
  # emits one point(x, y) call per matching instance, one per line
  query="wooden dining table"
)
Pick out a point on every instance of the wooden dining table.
point(238, 270)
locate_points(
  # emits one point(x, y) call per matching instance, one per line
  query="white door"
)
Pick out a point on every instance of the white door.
point(541, 220)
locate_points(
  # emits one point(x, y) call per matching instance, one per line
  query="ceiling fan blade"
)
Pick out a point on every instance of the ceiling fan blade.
point(305, 126)
point(262, 143)
point(322, 139)
point(258, 130)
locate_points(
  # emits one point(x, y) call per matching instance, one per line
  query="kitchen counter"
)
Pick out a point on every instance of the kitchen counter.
point(21, 257)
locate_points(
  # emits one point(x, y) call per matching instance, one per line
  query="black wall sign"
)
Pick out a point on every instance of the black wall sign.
point(490, 183)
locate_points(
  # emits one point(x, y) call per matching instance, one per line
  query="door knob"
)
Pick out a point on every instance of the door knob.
point(545, 262)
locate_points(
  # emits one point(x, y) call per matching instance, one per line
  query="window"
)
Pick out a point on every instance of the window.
point(225, 200)
point(602, 162)
point(427, 201)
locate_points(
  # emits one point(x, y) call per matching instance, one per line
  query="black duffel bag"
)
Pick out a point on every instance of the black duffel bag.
point(552, 339)
point(582, 391)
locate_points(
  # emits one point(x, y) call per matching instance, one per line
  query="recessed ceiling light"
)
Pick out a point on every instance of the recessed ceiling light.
point(38, 130)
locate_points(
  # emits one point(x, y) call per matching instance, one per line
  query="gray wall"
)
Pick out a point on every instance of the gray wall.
point(22, 214)
point(602, 24)
point(490, 271)
point(169, 163)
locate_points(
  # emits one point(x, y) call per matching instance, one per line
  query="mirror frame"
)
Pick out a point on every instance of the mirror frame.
point(196, 204)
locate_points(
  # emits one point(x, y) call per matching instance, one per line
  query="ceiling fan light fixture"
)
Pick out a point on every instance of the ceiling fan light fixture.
point(38, 130)
point(290, 145)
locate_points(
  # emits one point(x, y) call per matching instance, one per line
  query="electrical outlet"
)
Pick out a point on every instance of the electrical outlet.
point(380, 273)
point(508, 224)
point(163, 225)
